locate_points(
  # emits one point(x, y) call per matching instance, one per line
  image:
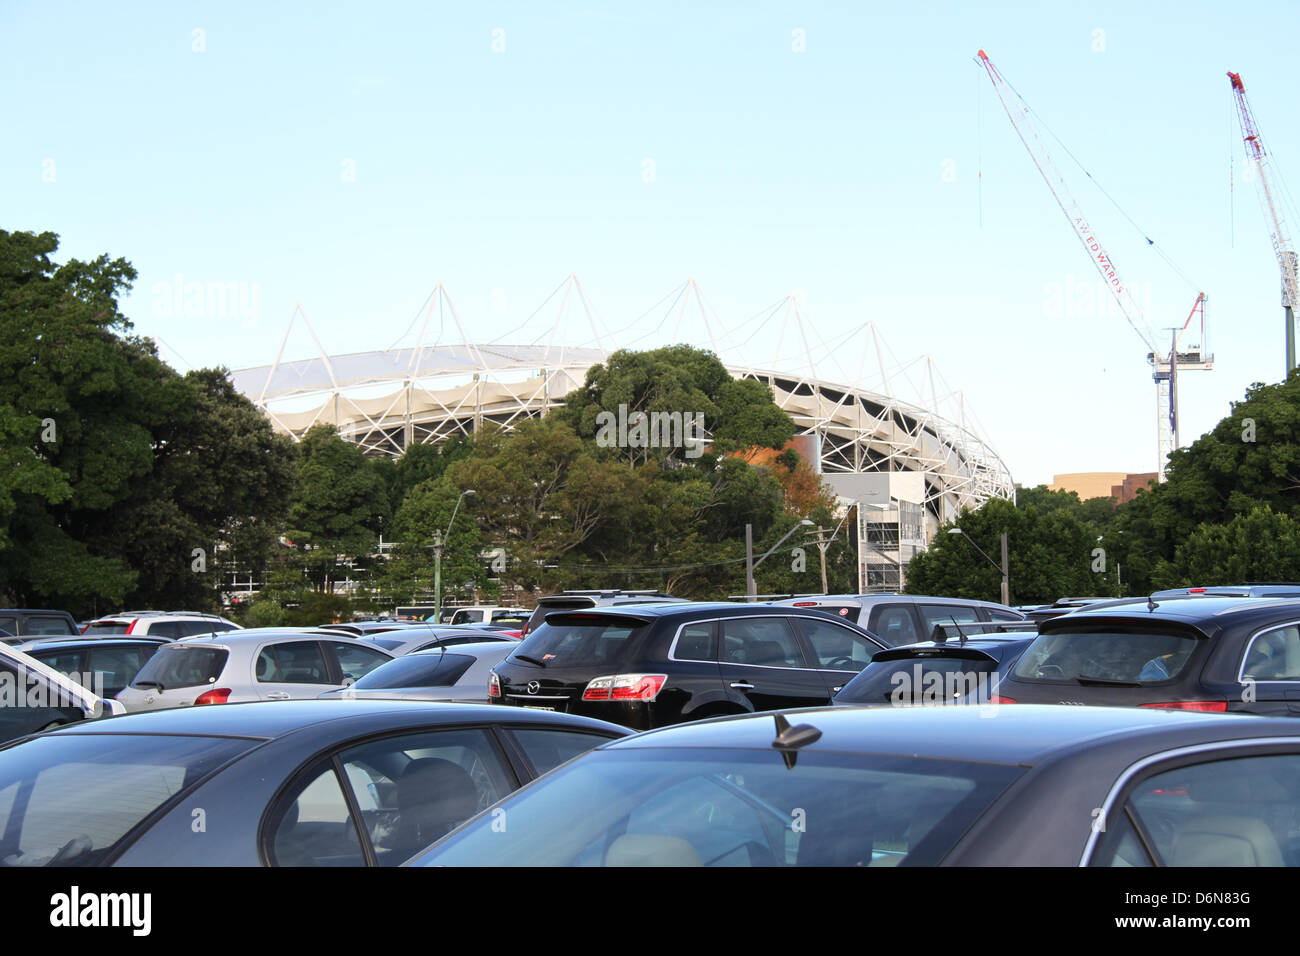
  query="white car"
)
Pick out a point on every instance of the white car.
point(487, 614)
point(38, 698)
point(256, 663)
point(169, 624)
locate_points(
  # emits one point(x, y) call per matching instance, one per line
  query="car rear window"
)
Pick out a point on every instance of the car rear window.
point(418, 670)
point(642, 806)
point(1107, 656)
point(47, 624)
point(580, 640)
point(105, 627)
point(929, 679)
point(49, 816)
point(182, 665)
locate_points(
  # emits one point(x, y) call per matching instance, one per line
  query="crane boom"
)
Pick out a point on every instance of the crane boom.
point(1286, 259)
point(1069, 207)
point(1164, 365)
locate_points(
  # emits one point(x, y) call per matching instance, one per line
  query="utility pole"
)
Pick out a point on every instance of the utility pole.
point(824, 543)
point(1006, 574)
point(751, 590)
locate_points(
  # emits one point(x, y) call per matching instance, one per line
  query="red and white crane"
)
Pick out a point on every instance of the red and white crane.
point(1286, 259)
point(1165, 365)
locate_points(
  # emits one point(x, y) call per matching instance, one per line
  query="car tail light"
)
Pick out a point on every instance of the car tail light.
point(518, 634)
point(805, 604)
point(1196, 590)
point(494, 684)
point(1210, 706)
point(625, 687)
point(131, 627)
point(999, 699)
point(218, 695)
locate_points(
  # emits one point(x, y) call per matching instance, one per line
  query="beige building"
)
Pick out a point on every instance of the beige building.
point(1120, 485)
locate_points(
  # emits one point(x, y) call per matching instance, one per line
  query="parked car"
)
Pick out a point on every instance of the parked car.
point(302, 783)
point(657, 664)
point(1234, 590)
point(853, 786)
point(1191, 653)
point(38, 698)
point(899, 619)
point(108, 663)
point(488, 614)
point(459, 673)
point(577, 600)
point(418, 637)
point(1064, 606)
point(26, 623)
point(962, 670)
point(267, 663)
point(171, 624)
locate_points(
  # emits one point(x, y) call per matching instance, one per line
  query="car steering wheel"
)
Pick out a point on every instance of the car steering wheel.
point(839, 660)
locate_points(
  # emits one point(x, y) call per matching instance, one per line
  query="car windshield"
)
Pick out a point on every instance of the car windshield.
point(418, 670)
point(1107, 656)
point(182, 665)
point(714, 807)
point(49, 816)
point(578, 641)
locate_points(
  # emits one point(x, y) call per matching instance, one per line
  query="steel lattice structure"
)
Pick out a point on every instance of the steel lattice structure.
point(388, 400)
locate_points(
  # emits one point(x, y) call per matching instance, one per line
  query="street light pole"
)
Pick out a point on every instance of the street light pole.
point(751, 589)
point(438, 542)
point(1004, 568)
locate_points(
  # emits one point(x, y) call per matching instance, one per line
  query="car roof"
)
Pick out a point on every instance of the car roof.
point(1012, 734)
point(269, 719)
point(1197, 610)
point(721, 608)
point(39, 644)
point(474, 648)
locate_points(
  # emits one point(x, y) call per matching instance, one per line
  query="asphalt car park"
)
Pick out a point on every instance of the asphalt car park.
point(301, 783)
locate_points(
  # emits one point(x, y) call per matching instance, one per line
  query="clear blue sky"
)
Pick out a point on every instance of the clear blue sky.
point(847, 171)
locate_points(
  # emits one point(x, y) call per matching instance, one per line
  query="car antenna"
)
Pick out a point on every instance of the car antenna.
point(960, 633)
point(1151, 603)
point(790, 739)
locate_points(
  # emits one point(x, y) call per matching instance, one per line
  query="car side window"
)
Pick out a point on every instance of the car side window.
point(415, 788)
point(65, 662)
point(893, 624)
point(997, 615)
point(1238, 811)
point(1274, 655)
point(355, 661)
point(296, 662)
point(760, 641)
point(116, 666)
point(547, 749)
point(313, 825)
point(933, 614)
point(835, 647)
point(695, 643)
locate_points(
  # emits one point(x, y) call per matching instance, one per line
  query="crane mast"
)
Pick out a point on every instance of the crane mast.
point(1164, 365)
point(1286, 259)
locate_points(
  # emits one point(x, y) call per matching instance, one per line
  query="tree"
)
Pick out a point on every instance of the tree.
point(1259, 546)
point(338, 504)
point(1052, 548)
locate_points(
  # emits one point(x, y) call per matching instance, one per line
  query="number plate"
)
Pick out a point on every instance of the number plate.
point(538, 707)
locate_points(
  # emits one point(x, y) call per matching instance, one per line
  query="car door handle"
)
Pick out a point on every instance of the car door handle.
point(277, 696)
point(741, 685)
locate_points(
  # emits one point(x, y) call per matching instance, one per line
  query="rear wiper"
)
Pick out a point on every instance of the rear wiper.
point(531, 660)
point(146, 683)
point(1103, 682)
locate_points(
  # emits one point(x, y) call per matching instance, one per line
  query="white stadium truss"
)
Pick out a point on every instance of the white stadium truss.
point(386, 401)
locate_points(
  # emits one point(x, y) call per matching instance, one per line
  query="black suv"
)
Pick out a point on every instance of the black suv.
point(657, 664)
point(1187, 653)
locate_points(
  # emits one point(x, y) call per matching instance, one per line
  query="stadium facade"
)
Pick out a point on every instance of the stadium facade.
point(907, 466)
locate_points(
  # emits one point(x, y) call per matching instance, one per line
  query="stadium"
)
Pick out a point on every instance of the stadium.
point(909, 465)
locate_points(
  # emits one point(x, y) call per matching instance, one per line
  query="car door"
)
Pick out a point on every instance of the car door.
point(837, 652)
point(763, 665)
point(1270, 673)
point(1218, 808)
point(291, 670)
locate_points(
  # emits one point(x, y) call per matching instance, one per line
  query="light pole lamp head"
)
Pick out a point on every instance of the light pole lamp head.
point(468, 491)
point(955, 531)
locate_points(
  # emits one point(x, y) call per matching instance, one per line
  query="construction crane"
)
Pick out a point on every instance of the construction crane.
point(1286, 259)
point(1164, 365)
